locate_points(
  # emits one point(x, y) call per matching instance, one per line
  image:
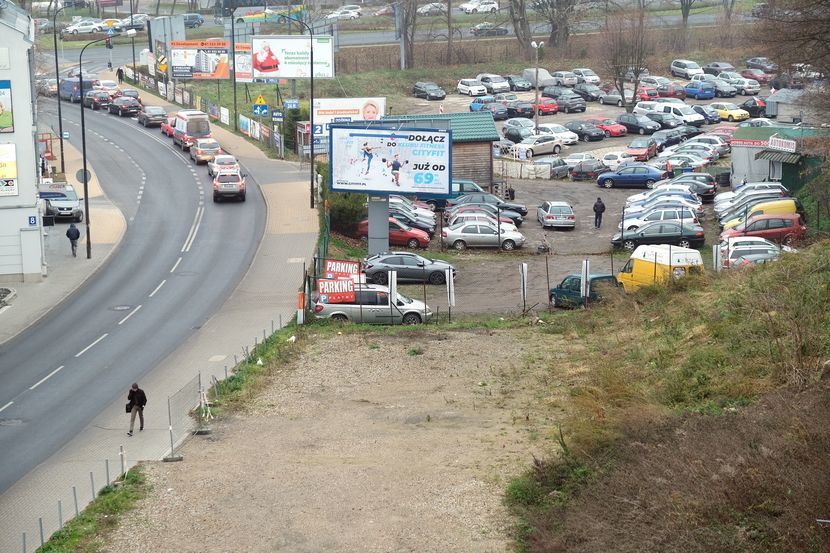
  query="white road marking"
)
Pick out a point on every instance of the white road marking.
point(153, 293)
point(47, 377)
point(86, 349)
point(179, 260)
point(194, 229)
point(295, 260)
point(133, 312)
point(4, 308)
point(9, 404)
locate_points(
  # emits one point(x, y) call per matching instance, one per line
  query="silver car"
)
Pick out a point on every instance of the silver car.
point(556, 214)
point(371, 305)
point(481, 235)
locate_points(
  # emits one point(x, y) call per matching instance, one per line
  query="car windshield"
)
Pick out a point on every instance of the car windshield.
point(404, 299)
point(692, 65)
point(641, 143)
point(431, 86)
point(210, 144)
point(588, 73)
point(730, 107)
point(685, 110)
point(155, 110)
point(497, 80)
point(643, 120)
point(529, 140)
point(228, 178)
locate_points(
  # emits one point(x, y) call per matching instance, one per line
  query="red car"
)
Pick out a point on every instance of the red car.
point(546, 106)
point(609, 126)
point(782, 228)
point(672, 90)
point(399, 234)
point(756, 74)
point(646, 92)
point(642, 149)
point(167, 126)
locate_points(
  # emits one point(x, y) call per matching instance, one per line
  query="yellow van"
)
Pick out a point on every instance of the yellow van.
point(774, 207)
point(650, 264)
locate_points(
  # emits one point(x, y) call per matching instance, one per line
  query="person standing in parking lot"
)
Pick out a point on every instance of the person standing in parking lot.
point(599, 209)
point(73, 234)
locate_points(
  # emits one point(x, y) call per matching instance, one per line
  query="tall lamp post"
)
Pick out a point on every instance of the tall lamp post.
point(536, 46)
point(312, 180)
point(85, 173)
point(58, 77)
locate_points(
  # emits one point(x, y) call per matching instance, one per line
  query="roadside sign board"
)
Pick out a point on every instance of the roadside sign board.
point(260, 109)
point(277, 116)
point(260, 101)
point(291, 103)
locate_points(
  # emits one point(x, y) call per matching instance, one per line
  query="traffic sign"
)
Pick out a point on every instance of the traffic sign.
point(260, 101)
point(83, 177)
point(110, 31)
point(260, 109)
point(65, 135)
point(277, 116)
point(291, 103)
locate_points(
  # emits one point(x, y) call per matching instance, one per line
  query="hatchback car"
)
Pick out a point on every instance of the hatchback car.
point(585, 131)
point(729, 112)
point(564, 78)
point(588, 169)
point(688, 235)
point(151, 116)
point(481, 103)
point(756, 107)
point(666, 120)
point(518, 83)
point(612, 160)
point(756, 75)
point(409, 266)
point(399, 234)
point(96, 99)
point(639, 175)
point(371, 305)
point(608, 126)
point(642, 149)
point(612, 97)
point(685, 68)
point(783, 228)
point(708, 113)
point(700, 90)
point(229, 184)
point(428, 91)
point(568, 292)
point(677, 214)
point(585, 75)
point(588, 92)
point(571, 102)
point(203, 150)
point(519, 108)
point(471, 87)
point(639, 124)
point(479, 235)
point(546, 106)
point(559, 131)
point(124, 105)
point(556, 214)
point(558, 168)
point(222, 163)
point(493, 83)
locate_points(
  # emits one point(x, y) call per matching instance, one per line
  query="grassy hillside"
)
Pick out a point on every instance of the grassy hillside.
point(699, 421)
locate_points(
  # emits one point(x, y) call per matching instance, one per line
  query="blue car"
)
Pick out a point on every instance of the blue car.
point(709, 114)
point(631, 175)
point(482, 103)
point(700, 90)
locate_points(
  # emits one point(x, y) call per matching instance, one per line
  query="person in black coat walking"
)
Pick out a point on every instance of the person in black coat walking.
point(599, 209)
point(119, 74)
point(73, 234)
point(137, 399)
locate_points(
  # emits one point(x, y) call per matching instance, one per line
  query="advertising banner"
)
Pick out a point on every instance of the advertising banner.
point(242, 63)
point(6, 115)
point(244, 125)
point(8, 170)
point(336, 290)
point(289, 57)
point(337, 268)
point(345, 110)
point(225, 116)
point(399, 161)
point(200, 59)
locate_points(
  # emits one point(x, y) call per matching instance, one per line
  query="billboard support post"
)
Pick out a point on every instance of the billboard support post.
point(233, 75)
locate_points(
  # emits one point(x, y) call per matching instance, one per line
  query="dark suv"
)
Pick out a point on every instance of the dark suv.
point(193, 20)
point(429, 91)
point(638, 123)
point(571, 102)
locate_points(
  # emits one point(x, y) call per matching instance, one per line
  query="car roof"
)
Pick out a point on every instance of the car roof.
point(558, 204)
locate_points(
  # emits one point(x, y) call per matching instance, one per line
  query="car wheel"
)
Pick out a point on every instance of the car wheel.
point(412, 243)
point(607, 134)
point(459, 245)
point(411, 319)
point(788, 240)
point(540, 112)
point(557, 149)
point(380, 278)
point(649, 183)
point(340, 318)
point(508, 245)
point(629, 245)
point(642, 131)
point(475, 11)
point(697, 97)
point(242, 197)
point(437, 278)
point(75, 31)
point(567, 109)
point(608, 183)
point(586, 138)
point(730, 119)
point(79, 218)
point(684, 243)
point(619, 103)
point(529, 154)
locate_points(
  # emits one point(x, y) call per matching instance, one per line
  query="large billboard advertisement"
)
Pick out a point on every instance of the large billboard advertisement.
point(396, 161)
point(200, 59)
point(345, 110)
point(242, 63)
point(8, 170)
point(289, 57)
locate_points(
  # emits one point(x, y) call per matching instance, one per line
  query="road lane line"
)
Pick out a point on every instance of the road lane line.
point(153, 293)
point(86, 349)
point(45, 378)
point(179, 260)
point(9, 404)
point(133, 312)
point(193, 229)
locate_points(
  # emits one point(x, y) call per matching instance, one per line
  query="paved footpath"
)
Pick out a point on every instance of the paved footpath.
point(267, 293)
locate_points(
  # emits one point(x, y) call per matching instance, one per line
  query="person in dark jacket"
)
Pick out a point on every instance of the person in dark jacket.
point(119, 74)
point(137, 399)
point(73, 234)
point(599, 209)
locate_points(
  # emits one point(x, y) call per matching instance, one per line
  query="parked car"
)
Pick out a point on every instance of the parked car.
point(612, 160)
point(700, 90)
point(151, 116)
point(480, 217)
point(612, 97)
point(588, 91)
point(585, 75)
point(537, 145)
point(642, 149)
point(484, 198)
point(518, 83)
point(409, 266)
point(556, 214)
point(630, 73)
point(585, 131)
point(755, 75)
point(517, 134)
point(545, 78)
point(505, 97)
point(666, 120)
point(84, 26)
point(662, 191)
point(762, 63)
point(608, 126)
point(493, 83)
point(663, 213)
point(471, 87)
point(661, 232)
point(137, 21)
point(546, 106)
point(723, 89)
point(555, 91)
point(222, 163)
point(399, 234)
point(690, 131)
point(558, 168)
point(106, 24)
point(62, 202)
point(708, 113)
point(755, 107)
point(488, 29)
point(96, 99)
point(371, 306)
point(667, 138)
point(434, 8)
point(746, 87)
point(480, 235)
point(481, 103)
point(499, 111)
point(568, 293)
point(639, 124)
point(428, 90)
point(483, 6)
point(204, 150)
point(717, 67)
point(783, 228)
point(729, 111)
point(558, 131)
point(571, 102)
point(491, 209)
point(685, 68)
point(124, 105)
point(577, 157)
point(639, 175)
point(519, 108)
point(193, 20)
point(564, 78)
point(712, 140)
point(589, 169)
point(387, 10)
point(672, 90)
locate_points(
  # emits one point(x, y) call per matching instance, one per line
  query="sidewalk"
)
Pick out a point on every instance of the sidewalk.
point(266, 294)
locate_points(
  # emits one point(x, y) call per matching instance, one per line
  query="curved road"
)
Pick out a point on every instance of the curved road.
point(181, 257)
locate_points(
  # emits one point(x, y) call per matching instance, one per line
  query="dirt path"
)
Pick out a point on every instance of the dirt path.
point(364, 443)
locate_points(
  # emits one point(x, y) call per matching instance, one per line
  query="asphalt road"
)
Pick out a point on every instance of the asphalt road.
point(181, 257)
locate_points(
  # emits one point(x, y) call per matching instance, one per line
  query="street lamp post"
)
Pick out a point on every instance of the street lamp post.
point(85, 173)
point(536, 46)
point(58, 78)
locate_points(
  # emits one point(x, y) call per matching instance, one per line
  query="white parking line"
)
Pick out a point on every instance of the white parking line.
point(86, 349)
point(9, 404)
point(45, 378)
point(153, 293)
point(175, 265)
point(133, 312)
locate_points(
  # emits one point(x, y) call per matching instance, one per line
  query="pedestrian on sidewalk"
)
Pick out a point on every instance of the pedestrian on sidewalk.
point(137, 400)
point(73, 234)
point(599, 209)
point(120, 75)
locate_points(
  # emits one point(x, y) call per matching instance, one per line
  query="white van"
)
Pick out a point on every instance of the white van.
point(646, 107)
point(191, 124)
point(686, 113)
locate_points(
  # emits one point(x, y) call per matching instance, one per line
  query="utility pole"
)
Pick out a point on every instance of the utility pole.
point(536, 48)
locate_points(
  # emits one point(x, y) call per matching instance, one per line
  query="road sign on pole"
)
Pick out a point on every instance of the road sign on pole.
point(291, 103)
point(260, 101)
point(260, 109)
point(277, 116)
point(110, 31)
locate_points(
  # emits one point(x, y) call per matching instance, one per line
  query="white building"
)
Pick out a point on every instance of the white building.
point(21, 234)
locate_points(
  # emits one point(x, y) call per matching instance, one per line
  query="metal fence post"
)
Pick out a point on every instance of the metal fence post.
point(24, 542)
point(123, 459)
point(60, 514)
point(40, 526)
point(226, 372)
point(92, 483)
point(107, 467)
point(280, 320)
point(75, 497)
point(171, 457)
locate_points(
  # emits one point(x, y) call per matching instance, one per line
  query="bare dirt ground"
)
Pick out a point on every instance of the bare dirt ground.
point(364, 442)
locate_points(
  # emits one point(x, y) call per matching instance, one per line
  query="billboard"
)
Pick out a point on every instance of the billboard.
point(396, 161)
point(345, 110)
point(8, 170)
point(6, 113)
point(242, 63)
point(336, 290)
point(200, 59)
point(289, 57)
point(337, 268)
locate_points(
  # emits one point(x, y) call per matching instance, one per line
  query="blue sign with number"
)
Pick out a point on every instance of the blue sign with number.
point(291, 103)
point(260, 109)
point(32, 220)
point(277, 116)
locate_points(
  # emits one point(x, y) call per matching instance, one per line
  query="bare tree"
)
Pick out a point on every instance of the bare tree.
point(408, 17)
point(557, 13)
point(518, 15)
point(627, 47)
point(449, 33)
point(685, 9)
point(728, 8)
